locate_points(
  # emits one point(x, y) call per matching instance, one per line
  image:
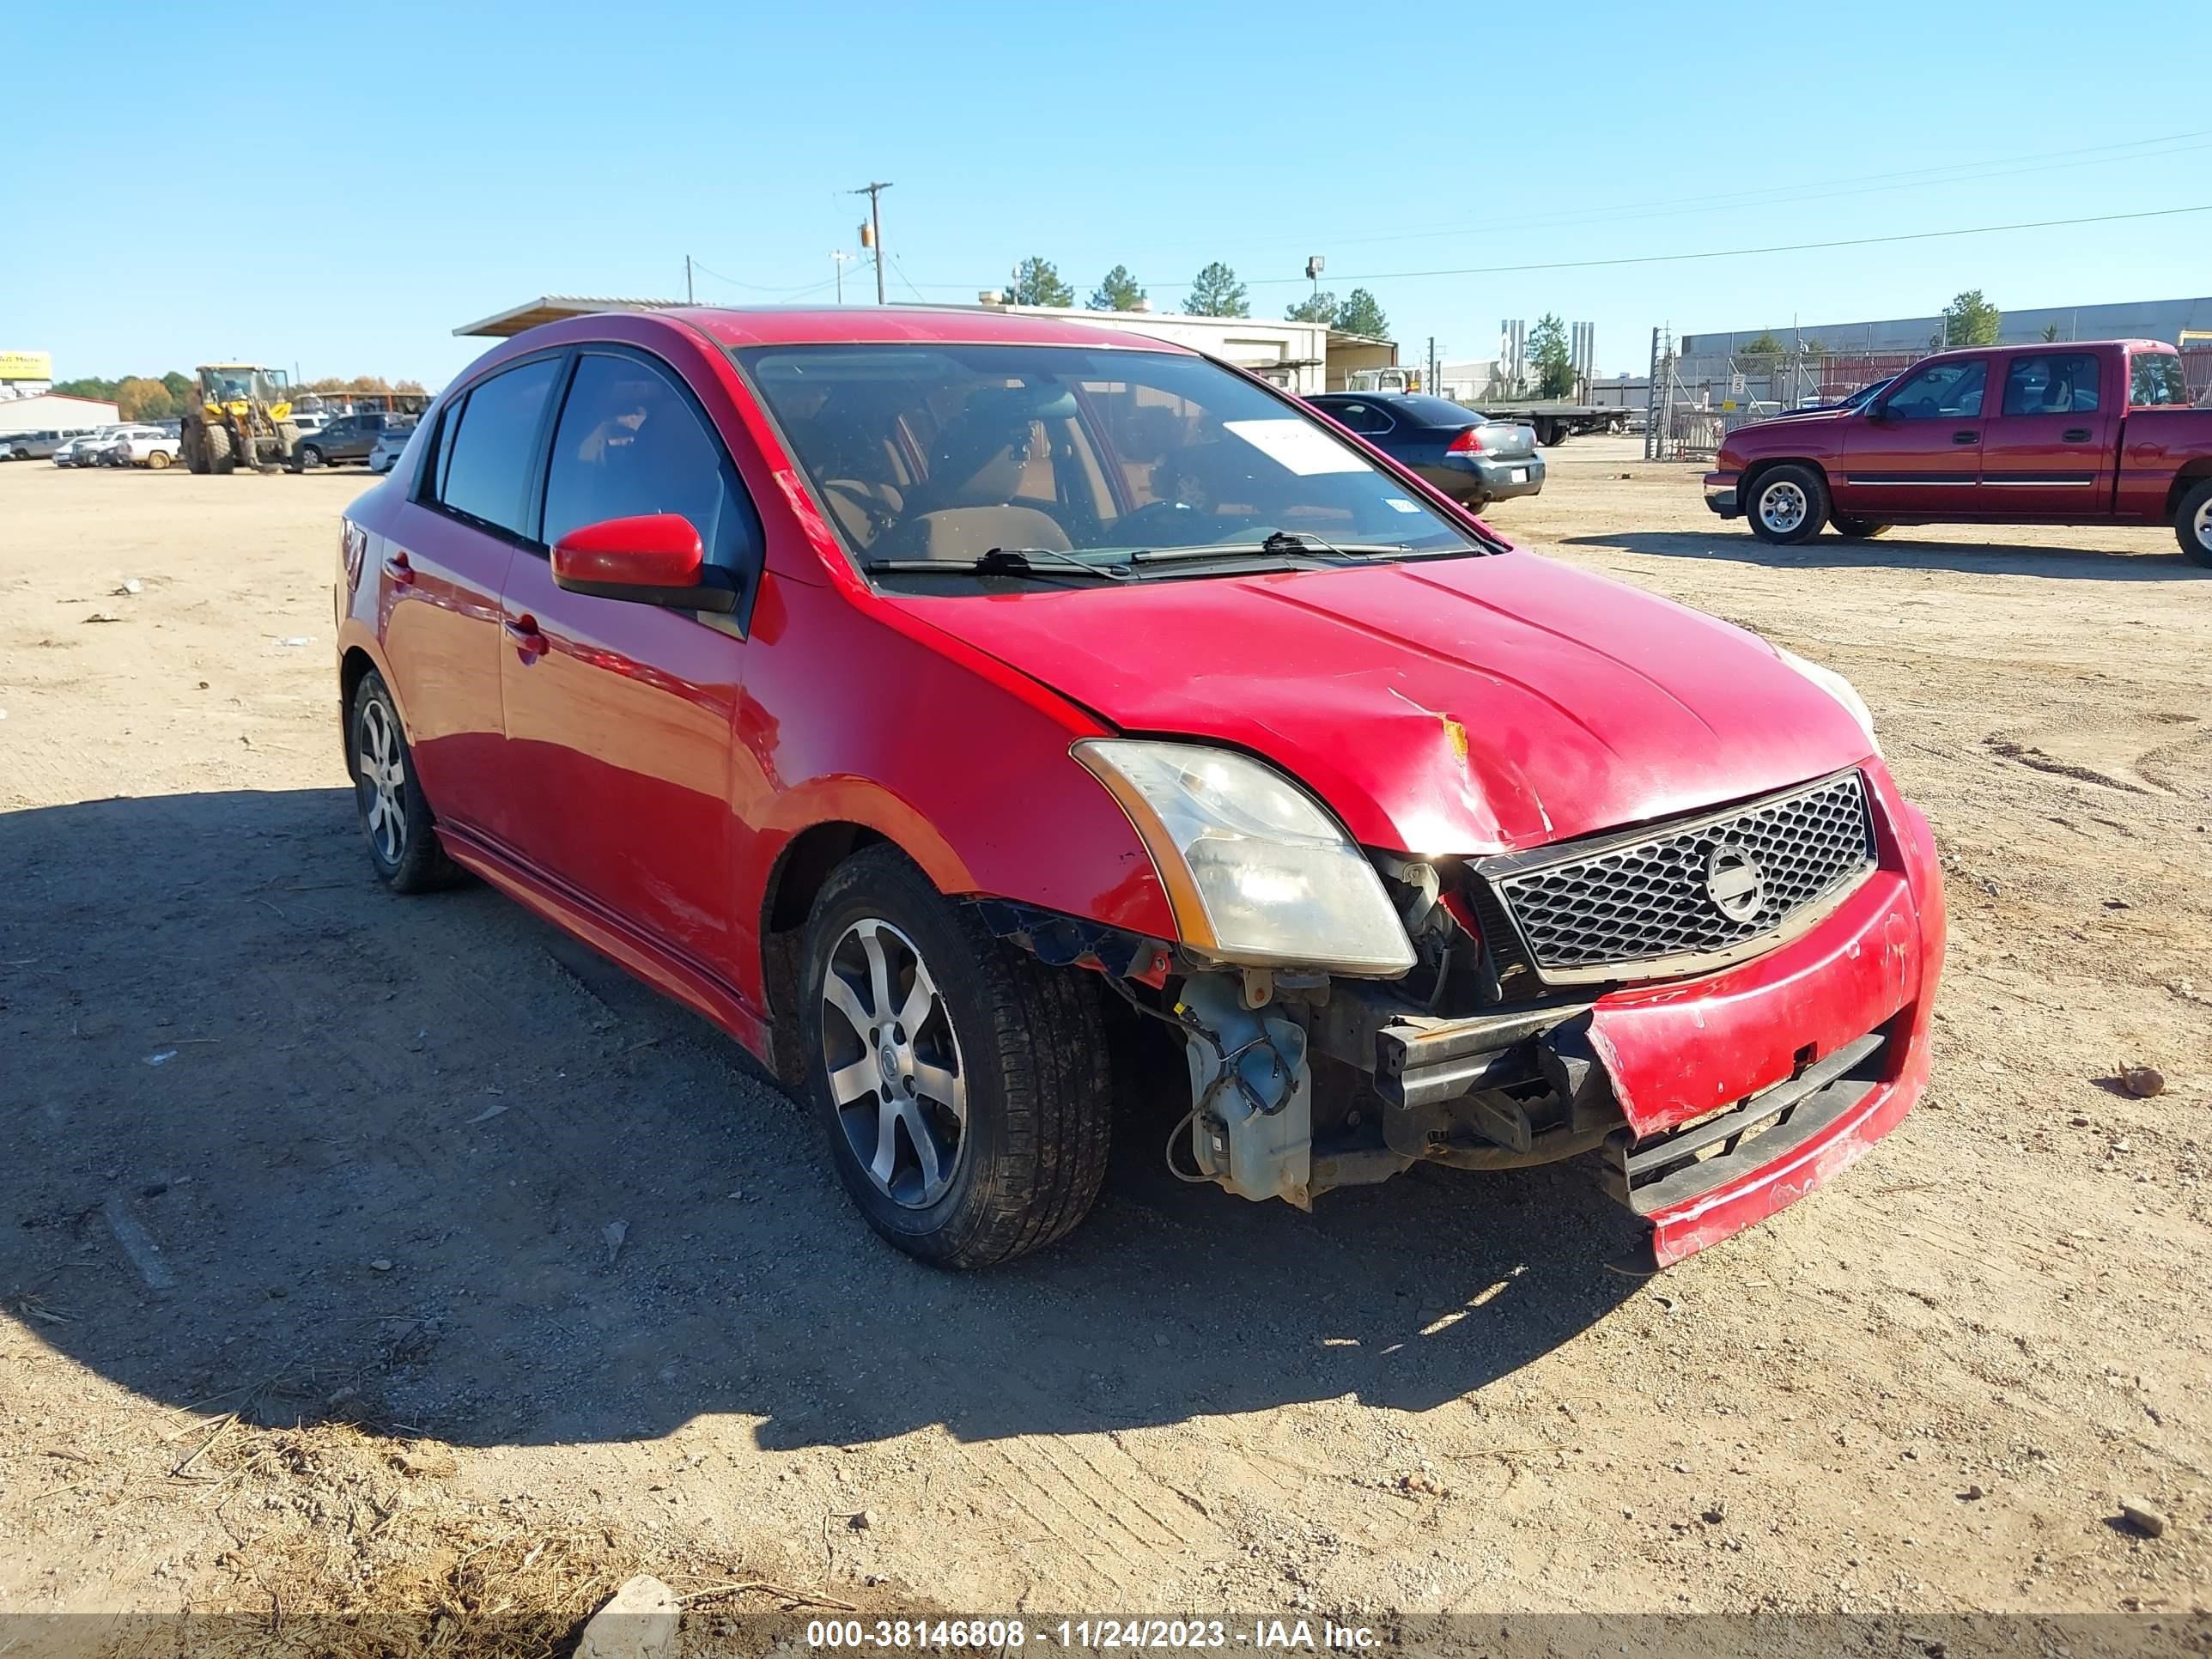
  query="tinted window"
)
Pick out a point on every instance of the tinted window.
point(2061, 383)
point(2157, 381)
point(1360, 417)
point(630, 443)
point(487, 462)
point(1437, 411)
point(1943, 391)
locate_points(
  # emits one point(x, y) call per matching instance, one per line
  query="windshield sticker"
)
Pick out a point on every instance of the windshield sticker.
point(1398, 503)
point(1300, 448)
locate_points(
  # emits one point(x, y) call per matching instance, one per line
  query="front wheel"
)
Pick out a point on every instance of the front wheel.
point(395, 817)
point(2193, 525)
point(309, 457)
point(1789, 505)
point(1856, 530)
point(963, 1088)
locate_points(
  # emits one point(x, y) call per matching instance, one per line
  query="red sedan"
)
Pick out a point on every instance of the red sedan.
point(948, 704)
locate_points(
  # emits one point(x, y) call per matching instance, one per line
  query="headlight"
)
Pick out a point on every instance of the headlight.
point(1836, 687)
point(1259, 874)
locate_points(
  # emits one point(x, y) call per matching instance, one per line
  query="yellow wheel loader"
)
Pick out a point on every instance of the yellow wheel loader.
point(242, 416)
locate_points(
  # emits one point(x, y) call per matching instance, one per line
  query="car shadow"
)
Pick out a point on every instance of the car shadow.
point(1901, 552)
point(282, 1142)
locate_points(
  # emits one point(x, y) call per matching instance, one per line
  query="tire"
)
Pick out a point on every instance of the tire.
point(2193, 525)
point(158, 461)
point(1788, 505)
point(1551, 435)
point(309, 457)
point(1856, 530)
point(220, 457)
point(1022, 1103)
point(395, 817)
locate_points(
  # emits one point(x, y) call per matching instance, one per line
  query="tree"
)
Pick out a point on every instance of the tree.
point(1318, 308)
point(1117, 291)
point(1215, 292)
point(2051, 331)
point(90, 387)
point(1036, 283)
point(1765, 346)
point(1971, 320)
point(1360, 315)
point(180, 385)
point(1554, 360)
point(137, 398)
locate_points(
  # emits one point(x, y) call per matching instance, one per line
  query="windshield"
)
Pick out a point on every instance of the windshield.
point(944, 453)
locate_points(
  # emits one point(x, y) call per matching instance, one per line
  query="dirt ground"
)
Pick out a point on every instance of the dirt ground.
point(308, 1298)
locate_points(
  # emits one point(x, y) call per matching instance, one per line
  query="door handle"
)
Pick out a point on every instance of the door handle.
point(398, 569)
point(2075, 435)
point(523, 630)
point(1965, 437)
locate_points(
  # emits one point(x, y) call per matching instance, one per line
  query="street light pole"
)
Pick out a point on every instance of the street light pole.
point(839, 259)
point(871, 233)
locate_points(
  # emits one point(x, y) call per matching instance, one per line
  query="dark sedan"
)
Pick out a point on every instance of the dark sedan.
point(347, 438)
point(1461, 451)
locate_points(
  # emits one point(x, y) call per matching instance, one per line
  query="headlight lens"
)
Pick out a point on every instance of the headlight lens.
point(1836, 687)
point(1259, 874)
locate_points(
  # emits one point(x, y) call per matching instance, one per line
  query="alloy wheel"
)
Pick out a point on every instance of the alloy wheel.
point(1781, 506)
point(383, 783)
point(893, 1063)
point(2201, 525)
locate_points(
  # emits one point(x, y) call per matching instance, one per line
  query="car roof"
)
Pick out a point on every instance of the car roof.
point(894, 326)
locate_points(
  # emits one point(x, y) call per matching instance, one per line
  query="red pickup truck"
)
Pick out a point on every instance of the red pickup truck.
point(2099, 432)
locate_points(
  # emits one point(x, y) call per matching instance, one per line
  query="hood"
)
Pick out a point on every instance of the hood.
point(1456, 706)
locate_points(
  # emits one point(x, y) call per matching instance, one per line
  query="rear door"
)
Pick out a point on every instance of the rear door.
point(620, 716)
point(438, 578)
point(2050, 446)
point(1917, 452)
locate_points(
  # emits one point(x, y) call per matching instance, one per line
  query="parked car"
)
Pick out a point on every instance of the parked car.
point(84, 451)
point(140, 445)
point(2084, 433)
point(390, 444)
point(1461, 451)
point(347, 438)
point(39, 446)
point(961, 708)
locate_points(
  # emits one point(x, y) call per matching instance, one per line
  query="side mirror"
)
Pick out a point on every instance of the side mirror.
point(1876, 411)
point(652, 559)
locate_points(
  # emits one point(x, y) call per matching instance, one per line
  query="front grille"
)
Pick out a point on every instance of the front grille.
point(1642, 896)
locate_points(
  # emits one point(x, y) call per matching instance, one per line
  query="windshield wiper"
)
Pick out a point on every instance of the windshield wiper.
point(1285, 543)
point(1001, 562)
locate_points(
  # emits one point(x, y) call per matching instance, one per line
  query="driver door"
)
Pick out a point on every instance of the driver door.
point(1918, 452)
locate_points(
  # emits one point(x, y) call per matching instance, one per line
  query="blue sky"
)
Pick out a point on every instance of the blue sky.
point(448, 161)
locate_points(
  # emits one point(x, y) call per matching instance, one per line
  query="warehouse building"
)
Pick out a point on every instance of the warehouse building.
point(52, 411)
point(2134, 319)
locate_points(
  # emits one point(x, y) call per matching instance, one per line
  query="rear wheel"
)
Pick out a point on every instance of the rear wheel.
point(2193, 525)
point(1856, 530)
point(158, 459)
point(1789, 505)
point(963, 1088)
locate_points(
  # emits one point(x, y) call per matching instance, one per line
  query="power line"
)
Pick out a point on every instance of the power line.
point(1725, 253)
point(1818, 191)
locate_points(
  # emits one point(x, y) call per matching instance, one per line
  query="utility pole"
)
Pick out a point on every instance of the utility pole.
point(872, 233)
point(687, 280)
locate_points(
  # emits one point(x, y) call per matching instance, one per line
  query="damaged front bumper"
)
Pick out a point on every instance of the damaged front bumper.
point(1714, 1101)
